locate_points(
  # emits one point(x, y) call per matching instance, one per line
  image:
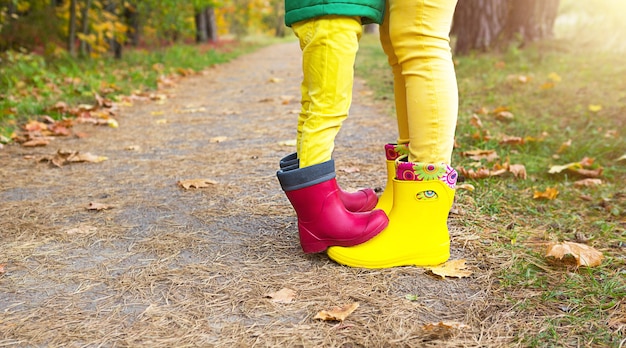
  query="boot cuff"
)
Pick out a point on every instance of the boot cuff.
point(289, 160)
point(300, 178)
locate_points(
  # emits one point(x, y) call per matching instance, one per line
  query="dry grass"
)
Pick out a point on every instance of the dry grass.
point(172, 268)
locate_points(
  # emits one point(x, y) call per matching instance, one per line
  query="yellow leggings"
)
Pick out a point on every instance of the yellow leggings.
point(329, 45)
point(415, 37)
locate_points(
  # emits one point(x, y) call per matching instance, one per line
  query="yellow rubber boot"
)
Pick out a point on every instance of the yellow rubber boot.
point(417, 233)
point(392, 152)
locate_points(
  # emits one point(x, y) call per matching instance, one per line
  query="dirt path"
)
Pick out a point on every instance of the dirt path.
point(167, 267)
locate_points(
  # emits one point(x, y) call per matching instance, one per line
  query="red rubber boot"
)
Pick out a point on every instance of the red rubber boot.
point(359, 201)
point(323, 220)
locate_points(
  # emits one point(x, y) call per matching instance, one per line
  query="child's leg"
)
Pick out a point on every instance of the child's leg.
point(329, 45)
point(419, 34)
point(399, 84)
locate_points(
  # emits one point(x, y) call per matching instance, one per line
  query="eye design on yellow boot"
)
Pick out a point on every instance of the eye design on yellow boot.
point(426, 195)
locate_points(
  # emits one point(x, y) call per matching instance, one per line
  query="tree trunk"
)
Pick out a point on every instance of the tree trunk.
point(201, 26)
point(132, 20)
point(530, 20)
point(482, 24)
point(211, 24)
point(116, 46)
point(84, 49)
point(71, 40)
point(477, 24)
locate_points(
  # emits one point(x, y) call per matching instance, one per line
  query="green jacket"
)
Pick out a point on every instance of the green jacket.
point(371, 11)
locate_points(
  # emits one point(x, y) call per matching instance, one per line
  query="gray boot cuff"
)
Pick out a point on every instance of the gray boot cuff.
point(300, 178)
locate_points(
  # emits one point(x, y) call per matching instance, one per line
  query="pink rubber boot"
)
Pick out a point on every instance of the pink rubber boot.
point(323, 220)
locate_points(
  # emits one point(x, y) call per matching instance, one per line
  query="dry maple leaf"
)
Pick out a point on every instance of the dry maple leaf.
point(583, 255)
point(476, 122)
point(550, 193)
point(284, 295)
point(337, 313)
point(443, 329)
point(452, 268)
point(196, 183)
point(291, 142)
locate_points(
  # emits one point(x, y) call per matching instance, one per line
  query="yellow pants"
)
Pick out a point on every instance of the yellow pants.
point(415, 37)
point(329, 45)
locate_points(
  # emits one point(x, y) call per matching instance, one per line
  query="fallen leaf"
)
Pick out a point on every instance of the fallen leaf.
point(98, 206)
point(337, 313)
point(554, 77)
point(504, 116)
point(580, 168)
point(284, 295)
point(132, 148)
point(547, 85)
point(196, 183)
point(452, 268)
point(476, 122)
point(82, 229)
point(564, 146)
point(583, 255)
point(477, 155)
point(623, 158)
point(274, 80)
point(218, 139)
point(36, 142)
point(3, 268)
point(161, 121)
point(443, 329)
point(595, 107)
point(550, 193)
point(468, 187)
point(589, 182)
point(291, 142)
point(512, 140)
point(519, 170)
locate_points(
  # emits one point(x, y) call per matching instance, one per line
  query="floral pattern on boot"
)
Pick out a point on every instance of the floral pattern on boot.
point(426, 172)
point(394, 151)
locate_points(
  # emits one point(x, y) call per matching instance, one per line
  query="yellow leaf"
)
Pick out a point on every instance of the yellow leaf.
point(452, 268)
point(554, 77)
point(547, 85)
point(621, 158)
point(583, 255)
point(550, 193)
point(595, 107)
point(564, 146)
point(284, 295)
point(337, 313)
point(197, 183)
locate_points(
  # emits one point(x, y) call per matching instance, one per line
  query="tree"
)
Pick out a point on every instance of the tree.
point(483, 24)
point(71, 39)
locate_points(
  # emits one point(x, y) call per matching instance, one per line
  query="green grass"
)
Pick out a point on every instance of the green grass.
point(30, 84)
point(573, 306)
